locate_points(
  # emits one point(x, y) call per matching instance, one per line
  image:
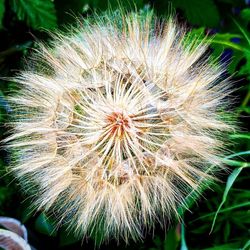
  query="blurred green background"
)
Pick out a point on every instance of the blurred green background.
point(221, 218)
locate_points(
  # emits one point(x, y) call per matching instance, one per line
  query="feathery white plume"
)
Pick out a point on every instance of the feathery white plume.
point(117, 123)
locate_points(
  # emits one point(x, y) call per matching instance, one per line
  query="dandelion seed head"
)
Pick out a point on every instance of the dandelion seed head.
point(117, 123)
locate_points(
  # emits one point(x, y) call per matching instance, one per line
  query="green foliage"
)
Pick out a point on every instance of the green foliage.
point(245, 69)
point(198, 12)
point(36, 13)
point(231, 179)
point(45, 225)
point(2, 10)
point(245, 14)
point(67, 238)
point(183, 240)
point(67, 10)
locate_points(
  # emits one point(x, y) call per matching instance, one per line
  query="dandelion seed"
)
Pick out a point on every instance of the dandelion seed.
point(117, 124)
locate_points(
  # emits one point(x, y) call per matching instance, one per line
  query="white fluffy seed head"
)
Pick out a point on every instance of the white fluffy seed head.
point(117, 123)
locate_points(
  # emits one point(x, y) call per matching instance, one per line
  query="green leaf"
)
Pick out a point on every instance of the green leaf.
point(232, 177)
point(245, 14)
point(68, 10)
point(224, 40)
point(247, 245)
point(67, 238)
point(241, 136)
point(5, 194)
point(26, 211)
point(227, 231)
point(244, 32)
point(230, 246)
point(245, 109)
point(245, 69)
point(36, 13)
point(158, 242)
point(44, 225)
point(238, 154)
point(183, 240)
point(114, 4)
point(234, 163)
point(2, 10)
point(241, 205)
point(172, 240)
point(202, 13)
point(220, 42)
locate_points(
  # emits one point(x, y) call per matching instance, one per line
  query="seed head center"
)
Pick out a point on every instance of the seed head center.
point(119, 122)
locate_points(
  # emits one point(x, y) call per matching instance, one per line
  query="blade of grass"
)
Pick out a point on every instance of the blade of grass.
point(190, 198)
point(222, 211)
point(238, 154)
point(183, 240)
point(242, 31)
point(230, 181)
point(233, 163)
point(246, 246)
point(240, 136)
